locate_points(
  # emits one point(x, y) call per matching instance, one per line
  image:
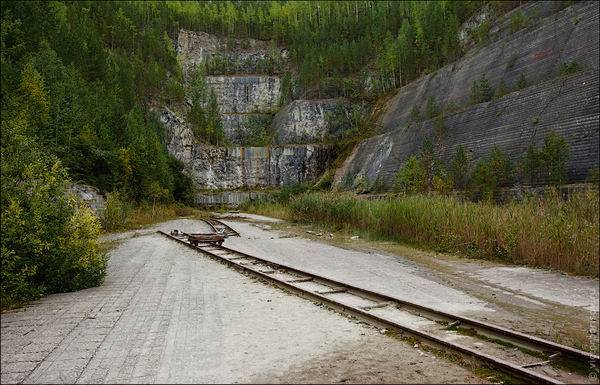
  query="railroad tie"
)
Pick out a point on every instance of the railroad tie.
point(305, 279)
point(333, 290)
point(376, 306)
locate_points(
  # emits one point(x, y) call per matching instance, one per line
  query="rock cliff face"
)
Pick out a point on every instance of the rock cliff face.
point(212, 167)
point(567, 105)
point(245, 94)
point(535, 53)
point(194, 48)
point(245, 100)
point(304, 121)
point(90, 196)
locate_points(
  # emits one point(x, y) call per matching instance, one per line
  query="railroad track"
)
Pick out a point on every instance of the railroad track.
point(526, 357)
point(221, 228)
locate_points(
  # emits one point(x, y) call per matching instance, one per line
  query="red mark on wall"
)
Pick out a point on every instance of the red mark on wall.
point(542, 54)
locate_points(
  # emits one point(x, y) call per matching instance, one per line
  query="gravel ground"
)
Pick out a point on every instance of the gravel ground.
point(166, 314)
point(384, 273)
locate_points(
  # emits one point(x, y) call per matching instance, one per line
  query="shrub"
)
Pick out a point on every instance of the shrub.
point(115, 213)
point(555, 156)
point(518, 20)
point(48, 242)
point(412, 177)
point(480, 34)
point(285, 193)
point(257, 131)
point(568, 68)
point(490, 173)
point(432, 107)
point(440, 123)
point(481, 90)
point(459, 168)
point(593, 175)
point(529, 166)
point(415, 114)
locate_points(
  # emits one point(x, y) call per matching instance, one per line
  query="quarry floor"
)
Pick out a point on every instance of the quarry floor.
point(166, 314)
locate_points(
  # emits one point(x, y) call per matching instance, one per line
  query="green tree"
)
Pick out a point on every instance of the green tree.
point(412, 177)
point(481, 90)
point(460, 168)
point(490, 173)
point(555, 156)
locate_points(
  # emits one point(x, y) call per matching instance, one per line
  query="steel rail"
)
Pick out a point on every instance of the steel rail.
point(517, 338)
point(213, 223)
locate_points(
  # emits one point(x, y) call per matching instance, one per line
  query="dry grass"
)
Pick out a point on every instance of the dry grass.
point(543, 232)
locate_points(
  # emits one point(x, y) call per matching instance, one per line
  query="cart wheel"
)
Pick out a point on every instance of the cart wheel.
point(220, 243)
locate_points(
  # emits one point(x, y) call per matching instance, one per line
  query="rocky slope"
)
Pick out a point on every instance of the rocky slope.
point(567, 105)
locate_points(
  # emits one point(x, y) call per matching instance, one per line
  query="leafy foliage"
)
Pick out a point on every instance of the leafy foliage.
point(481, 90)
point(101, 64)
point(460, 168)
point(568, 68)
point(257, 131)
point(490, 173)
point(48, 240)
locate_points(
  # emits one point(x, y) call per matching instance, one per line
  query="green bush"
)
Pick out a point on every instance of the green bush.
point(257, 131)
point(411, 177)
point(568, 68)
point(518, 20)
point(48, 240)
point(415, 114)
point(432, 107)
point(490, 173)
point(529, 166)
point(460, 168)
point(116, 211)
point(593, 175)
point(481, 90)
point(285, 193)
point(555, 156)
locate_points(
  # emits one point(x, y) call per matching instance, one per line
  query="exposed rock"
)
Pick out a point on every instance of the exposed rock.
point(228, 198)
point(194, 48)
point(568, 106)
point(212, 167)
point(304, 121)
point(89, 195)
point(534, 53)
point(245, 94)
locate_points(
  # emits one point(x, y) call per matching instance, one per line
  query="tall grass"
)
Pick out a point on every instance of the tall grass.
point(542, 232)
point(127, 217)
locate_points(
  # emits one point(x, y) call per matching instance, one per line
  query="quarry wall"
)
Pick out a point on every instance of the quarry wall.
point(550, 102)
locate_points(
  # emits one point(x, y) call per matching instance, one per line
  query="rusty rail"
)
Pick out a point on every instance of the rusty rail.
point(221, 228)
